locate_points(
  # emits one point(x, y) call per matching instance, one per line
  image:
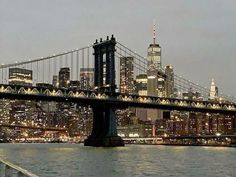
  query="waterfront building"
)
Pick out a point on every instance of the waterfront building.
point(87, 78)
point(142, 130)
point(195, 124)
point(64, 77)
point(18, 76)
point(127, 75)
point(177, 124)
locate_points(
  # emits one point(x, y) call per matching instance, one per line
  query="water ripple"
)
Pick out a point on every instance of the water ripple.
point(72, 160)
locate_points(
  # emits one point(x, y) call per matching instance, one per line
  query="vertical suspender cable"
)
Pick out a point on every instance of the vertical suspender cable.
point(83, 68)
point(43, 71)
point(88, 77)
point(83, 58)
point(77, 65)
point(49, 68)
point(66, 62)
point(72, 70)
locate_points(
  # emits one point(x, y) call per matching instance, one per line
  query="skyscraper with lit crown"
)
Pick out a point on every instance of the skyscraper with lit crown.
point(154, 53)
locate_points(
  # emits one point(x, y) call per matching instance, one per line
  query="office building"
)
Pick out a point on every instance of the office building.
point(127, 75)
point(18, 76)
point(141, 89)
point(155, 77)
point(169, 81)
point(64, 77)
point(55, 82)
point(87, 78)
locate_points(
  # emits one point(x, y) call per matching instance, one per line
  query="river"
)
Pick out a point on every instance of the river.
point(72, 160)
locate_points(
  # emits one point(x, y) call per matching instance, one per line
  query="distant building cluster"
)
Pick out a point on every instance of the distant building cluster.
point(77, 119)
point(131, 122)
point(160, 82)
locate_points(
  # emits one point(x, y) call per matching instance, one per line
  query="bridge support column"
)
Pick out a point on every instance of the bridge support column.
point(104, 131)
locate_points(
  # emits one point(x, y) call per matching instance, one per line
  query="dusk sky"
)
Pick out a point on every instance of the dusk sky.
point(198, 37)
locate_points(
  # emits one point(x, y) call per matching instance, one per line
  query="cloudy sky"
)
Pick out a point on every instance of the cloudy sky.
point(197, 37)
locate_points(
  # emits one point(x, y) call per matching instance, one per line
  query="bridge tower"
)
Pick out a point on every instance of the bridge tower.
point(104, 131)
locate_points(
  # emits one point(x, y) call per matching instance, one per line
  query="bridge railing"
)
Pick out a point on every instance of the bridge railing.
point(11, 91)
point(8, 169)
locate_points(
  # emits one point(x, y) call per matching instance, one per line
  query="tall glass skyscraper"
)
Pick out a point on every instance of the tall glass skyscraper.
point(155, 76)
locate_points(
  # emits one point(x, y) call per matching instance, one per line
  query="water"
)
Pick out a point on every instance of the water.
point(72, 160)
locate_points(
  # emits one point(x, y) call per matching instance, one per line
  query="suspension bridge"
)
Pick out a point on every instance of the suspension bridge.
point(103, 95)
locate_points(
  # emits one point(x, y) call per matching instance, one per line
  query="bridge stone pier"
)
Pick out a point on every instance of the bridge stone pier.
point(104, 131)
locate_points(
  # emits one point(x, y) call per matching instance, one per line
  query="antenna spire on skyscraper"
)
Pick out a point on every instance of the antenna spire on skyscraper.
point(154, 32)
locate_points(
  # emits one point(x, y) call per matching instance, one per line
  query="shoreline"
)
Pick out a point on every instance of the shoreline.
point(163, 144)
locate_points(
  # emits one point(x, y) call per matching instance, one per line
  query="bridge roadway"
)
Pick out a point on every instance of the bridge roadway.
point(114, 100)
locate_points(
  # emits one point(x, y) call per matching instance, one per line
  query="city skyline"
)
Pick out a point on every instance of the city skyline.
point(200, 36)
point(108, 74)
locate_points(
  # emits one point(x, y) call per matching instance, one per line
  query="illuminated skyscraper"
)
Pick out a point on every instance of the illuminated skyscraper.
point(155, 76)
point(169, 81)
point(141, 84)
point(126, 75)
point(64, 77)
point(141, 89)
point(154, 53)
point(213, 91)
